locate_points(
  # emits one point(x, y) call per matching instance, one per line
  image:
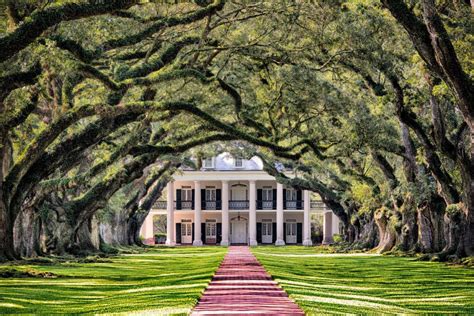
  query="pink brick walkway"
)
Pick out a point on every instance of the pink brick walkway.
point(242, 286)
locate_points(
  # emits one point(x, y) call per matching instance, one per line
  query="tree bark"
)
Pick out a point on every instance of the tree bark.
point(387, 233)
point(430, 225)
point(26, 233)
point(454, 220)
point(408, 235)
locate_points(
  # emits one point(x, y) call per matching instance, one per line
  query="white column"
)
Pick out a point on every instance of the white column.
point(225, 213)
point(307, 219)
point(170, 238)
point(279, 216)
point(252, 213)
point(197, 214)
point(327, 228)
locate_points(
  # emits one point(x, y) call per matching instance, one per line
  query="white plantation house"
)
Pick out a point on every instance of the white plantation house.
point(233, 201)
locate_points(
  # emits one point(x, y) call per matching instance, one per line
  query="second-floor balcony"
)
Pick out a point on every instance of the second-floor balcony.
point(266, 204)
point(293, 205)
point(241, 205)
point(238, 205)
point(211, 205)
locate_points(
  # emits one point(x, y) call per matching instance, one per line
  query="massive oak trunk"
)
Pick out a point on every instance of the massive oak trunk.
point(6, 234)
point(408, 232)
point(387, 232)
point(86, 238)
point(27, 232)
point(454, 221)
point(430, 225)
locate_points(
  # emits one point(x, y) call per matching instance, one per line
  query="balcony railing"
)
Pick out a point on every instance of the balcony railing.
point(184, 205)
point(211, 205)
point(160, 205)
point(293, 205)
point(317, 205)
point(266, 204)
point(238, 205)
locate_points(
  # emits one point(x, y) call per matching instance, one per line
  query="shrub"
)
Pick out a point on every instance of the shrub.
point(337, 238)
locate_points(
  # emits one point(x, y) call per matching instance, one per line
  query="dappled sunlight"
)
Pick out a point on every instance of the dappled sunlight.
point(11, 305)
point(327, 286)
point(330, 255)
point(165, 287)
point(353, 283)
point(353, 303)
point(124, 285)
point(161, 311)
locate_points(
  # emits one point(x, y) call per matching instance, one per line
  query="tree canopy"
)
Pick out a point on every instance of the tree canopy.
point(370, 102)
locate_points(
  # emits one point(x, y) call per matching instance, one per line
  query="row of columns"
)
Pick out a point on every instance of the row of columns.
point(170, 234)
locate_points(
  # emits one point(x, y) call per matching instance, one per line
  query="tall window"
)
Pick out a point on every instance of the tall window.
point(186, 194)
point(208, 163)
point(267, 194)
point(210, 194)
point(238, 162)
point(290, 194)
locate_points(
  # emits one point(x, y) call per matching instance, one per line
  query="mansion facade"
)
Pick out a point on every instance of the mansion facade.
point(233, 201)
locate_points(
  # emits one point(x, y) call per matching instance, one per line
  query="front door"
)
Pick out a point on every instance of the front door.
point(238, 232)
point(267, 234)
point(186, 232)
point(211, 229)
point(291, 233)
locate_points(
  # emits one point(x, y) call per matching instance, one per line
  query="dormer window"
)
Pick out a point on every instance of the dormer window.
point(238, 162)
point(208, 163)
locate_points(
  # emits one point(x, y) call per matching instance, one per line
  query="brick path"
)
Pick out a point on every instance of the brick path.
point(242, 286)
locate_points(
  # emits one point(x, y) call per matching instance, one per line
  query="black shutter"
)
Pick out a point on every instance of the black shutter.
point(178, 199)
point(284, 199)
point(192, 237)
point(203, 233)
point(203, 199)
point(178, 233)
point(218, 199)
point(259, 233)
point(192, 198)
point(299, 233)
point(284, 232)
point(274, 199)
point(259, 199)
point(218, 233)
point(299, 199)
point(274, 232)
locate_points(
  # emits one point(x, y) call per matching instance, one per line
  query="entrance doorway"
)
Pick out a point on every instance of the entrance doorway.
point(186, 231)
point(238, 230)
point(211, 231)
point(291, 233)
point(267, 232)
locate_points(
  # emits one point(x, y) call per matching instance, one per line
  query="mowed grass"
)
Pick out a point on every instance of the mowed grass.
point(325, 283)
point(159, 281)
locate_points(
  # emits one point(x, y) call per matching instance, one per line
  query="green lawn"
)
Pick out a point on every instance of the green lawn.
point(158, 281)
point(323, 283)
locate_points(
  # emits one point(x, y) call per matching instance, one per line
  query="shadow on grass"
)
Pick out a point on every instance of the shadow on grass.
point(159, 281)
point(329, 283)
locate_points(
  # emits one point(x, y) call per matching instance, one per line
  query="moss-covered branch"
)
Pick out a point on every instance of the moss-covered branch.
point(156, 26)
point(18, 79)
point(41, 20)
